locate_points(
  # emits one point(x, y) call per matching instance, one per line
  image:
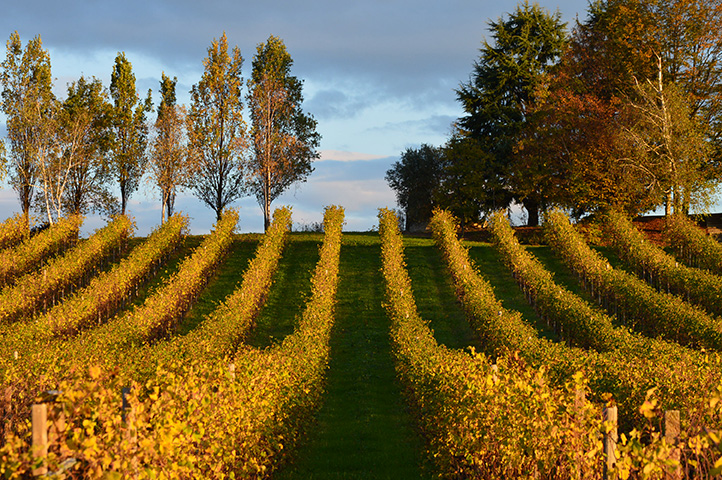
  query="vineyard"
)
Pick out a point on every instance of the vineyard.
point(359, 355)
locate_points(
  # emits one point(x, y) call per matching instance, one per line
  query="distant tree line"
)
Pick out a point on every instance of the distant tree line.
point(64, 156)
point(624, 111)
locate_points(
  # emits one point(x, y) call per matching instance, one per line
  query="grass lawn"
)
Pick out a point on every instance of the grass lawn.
point(363, 429)
point(289, 292)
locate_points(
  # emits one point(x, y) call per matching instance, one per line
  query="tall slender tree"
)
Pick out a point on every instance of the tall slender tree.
point(169, 163)
point(29, 105)
point(284, 137)
point(129, 127)
point(216, 130)
point(85, 136)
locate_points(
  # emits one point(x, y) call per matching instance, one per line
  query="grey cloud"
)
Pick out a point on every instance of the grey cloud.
point(360, 58)
point(400, 47)
point(334, 103)
point(435, 124)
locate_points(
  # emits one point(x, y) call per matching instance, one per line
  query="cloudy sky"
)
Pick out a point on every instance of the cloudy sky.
point(379, 77)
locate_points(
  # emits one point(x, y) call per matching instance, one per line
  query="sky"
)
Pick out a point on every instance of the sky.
point(379, 77)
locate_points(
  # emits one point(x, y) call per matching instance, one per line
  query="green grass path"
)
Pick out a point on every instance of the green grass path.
point(435, 295)
point(289, 292)
point(363, 429)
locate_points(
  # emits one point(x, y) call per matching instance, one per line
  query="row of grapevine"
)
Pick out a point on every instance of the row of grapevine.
point(639, 305)
point(160, 312)
point(102, 297)
point(234, 417)
point(13, 231)
point(32, 364)
point(482, 420)
point(626, 366)
point(633, 377)
point(108, 292)
point(41, 289)
point(576, 321)
point(33, 251)
point(662, 270)
point(222, 331)
point(692, 245)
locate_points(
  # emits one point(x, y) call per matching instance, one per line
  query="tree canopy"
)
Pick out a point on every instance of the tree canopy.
point(128, 151)
point(216, 129)
point(623, 112)
point(416, 178)
point(29, 104)
point(170, 165)
point(498, 99)
point(284, 138)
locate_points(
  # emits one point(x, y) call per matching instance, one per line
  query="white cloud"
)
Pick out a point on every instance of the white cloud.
point(342, 156)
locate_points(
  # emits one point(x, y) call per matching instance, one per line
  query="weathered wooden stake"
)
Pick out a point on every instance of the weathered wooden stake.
point(40, 436)
point(610, 440)
point(671, 436)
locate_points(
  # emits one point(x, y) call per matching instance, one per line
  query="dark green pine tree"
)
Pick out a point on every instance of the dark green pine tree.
point(499, 96)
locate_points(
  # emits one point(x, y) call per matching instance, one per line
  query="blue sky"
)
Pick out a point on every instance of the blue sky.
point(379, 77)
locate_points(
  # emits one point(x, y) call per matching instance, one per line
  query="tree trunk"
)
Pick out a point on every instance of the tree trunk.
point(266, 213)
point(171, 204)
point(25, 192)
point(163, 202)
point(267, 200)
point(532, 209)
point(123, 197)
point(668, 203)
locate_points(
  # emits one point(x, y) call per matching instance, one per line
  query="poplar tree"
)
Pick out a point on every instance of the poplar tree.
point(30, 106)
point(85, 136)
point(284, 137)
point(129, 128)
point(216, 130)
point(169, 163)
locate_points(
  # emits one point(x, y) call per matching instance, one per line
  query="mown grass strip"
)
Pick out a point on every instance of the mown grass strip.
point(363, 430)
point(490, 264)
point(223, 282)
point(435, 295)
point(467, 407)
point(292, 286)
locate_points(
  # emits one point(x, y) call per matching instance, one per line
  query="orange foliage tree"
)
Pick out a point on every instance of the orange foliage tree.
point(284, 137)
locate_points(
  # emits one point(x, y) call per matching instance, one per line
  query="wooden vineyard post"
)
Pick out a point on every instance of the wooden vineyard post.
point(43, 431)
point(131, 434)
point(671, 436)
point(610, 440)
point(580, 399)
point(40, 436)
